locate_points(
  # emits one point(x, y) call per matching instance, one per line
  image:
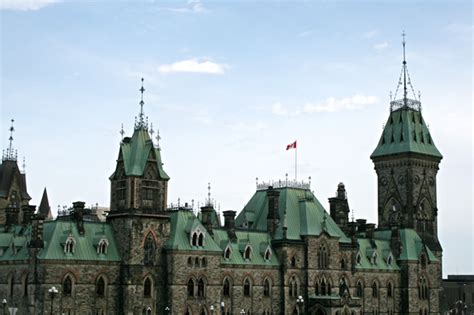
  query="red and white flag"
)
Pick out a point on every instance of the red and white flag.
point(291, 146)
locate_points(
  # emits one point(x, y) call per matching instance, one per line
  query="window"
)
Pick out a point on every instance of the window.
point(227, 252)
point(375, 292)
point(266, 287)
point(359, 289)
point(11, 283)
point(389, 290)
point(316, 288)
point(247, 287)
point(201, 288)
point(102, 247)
point(196, 262)
point(390, 260)
point(201, 239)
point(374, 258)
point(268, 254)
point(293, 261)
point(423, 289)
point(25, 285)
point(149, 250)
point(343, 264)
point(323, 287)
point(194, 239)
point(248, 252)
point(191, 287)
point(69, 245)
point(67, 286)
point(147, 288)
point(204, 262)
point(293, 287)
point(190, 262)
point(100, 287)
point(358, 258)
point(323, 257)
point(226, 287)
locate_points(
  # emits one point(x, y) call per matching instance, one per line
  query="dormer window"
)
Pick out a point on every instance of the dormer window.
point(374, 258)
point(227, 252)
point(268, 254)
point(102, 247)
point(197, 238)
point(390, 260)
point(248, 252)
point(358, 258)
point(69, 246)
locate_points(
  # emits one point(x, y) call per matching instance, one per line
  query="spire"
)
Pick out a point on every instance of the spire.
point(404, 79)
point(208, 201)
point(10, 154)
point(122, 132)
point(44, 207)
point(142, 121)
point(158, 138)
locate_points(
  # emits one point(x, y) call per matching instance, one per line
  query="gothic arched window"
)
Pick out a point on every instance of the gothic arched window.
point(194, 239)
point(293, 261)
point(147, 288)
point(190, 287)
point(389, 290)
point(149, 250)
point(226, 287)
point(247, 287)
point(67, 286)
point(266, 287)
point(201, 239)
point(248, 252)
point(359, 289)
point(201, 288)
point(100, 287)
point(323, 257)
point(69, 246)
point(227, 252)
point(375, 291)
point(102, 247)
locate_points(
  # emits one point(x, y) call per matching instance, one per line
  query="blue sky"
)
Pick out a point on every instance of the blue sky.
point(229, 85)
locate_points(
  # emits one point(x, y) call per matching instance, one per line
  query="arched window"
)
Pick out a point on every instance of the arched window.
point(266, 287)
point(11, 283)
point(323, 257)
point(194, 239)
point(196, 262)
point(293, 287)
point(295, 311)
point(100, 287)
point(201, 288)
point(204, 262)
point(147, 288)
point(247, 287)
point(375, 292)
point(323, 287)
point(190, 262)
point(25, 285)
point(390, 260)
point(102, 247)
point(190, 287)
point(69, 245)
point(343, 264)
point(226, 287)
point(359, 289)
point(67, 286)
point(149, 248)
point(423, 289)
point(389, 290)
point(201, 239)
point(268, 254)
point(227, 252)
point(248, 252)
point(374, 258)
point(316, 288)
point(358, 258)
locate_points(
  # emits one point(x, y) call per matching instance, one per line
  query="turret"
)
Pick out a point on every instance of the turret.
point(339, 207)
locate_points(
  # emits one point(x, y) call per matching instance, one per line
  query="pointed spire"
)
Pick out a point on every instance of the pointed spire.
point(44, 207)
point(10, 154)
point(404, 80)
point(142, 121)
point(158, 138)
point(122, 132)
point(209, 201)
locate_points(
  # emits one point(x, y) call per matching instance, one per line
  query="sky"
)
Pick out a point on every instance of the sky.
point(228, 86)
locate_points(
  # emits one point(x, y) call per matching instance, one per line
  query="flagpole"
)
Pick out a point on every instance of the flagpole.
point(296, 159)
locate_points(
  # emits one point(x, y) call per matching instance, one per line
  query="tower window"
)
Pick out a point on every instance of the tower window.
point(323, 257)
point(190, 287)
point(266, 287)
point(293, 261)
point(149, 248)
point(227, 252)
point(293, 287)
point(147, 288)
point(375, 291)
point(201, 288)
point(226, 287)
point(102, 247)
point(201, 239)
point(67, 286)
point(359, 289)
point(268, 254)
point(100, 287)
point(389, 290)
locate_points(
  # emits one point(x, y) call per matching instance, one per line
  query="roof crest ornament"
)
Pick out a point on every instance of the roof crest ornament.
point(10, 154)
point(142, 121)
point(209, 200)
point(122, 132)
point(404, 80)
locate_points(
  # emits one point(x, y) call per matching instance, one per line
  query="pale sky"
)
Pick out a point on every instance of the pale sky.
point(229, 85)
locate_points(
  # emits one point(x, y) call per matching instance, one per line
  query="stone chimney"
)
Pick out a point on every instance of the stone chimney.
point(28, 213)
point(339, 207)
point(78, 215)
point(369, 230)
point(207, 214)
point(273, 216)
point(229, 224)
point(37, 231)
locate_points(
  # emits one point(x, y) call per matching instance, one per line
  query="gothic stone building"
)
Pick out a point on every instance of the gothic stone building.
point(282, 254)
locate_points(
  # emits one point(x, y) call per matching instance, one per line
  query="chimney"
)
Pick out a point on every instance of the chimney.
point(206, 217)
point(229, 224)
point(370, 228)
point(28, 212)
point(395, 241)
point(273, 216)
point(78, 215)
point(339, 207)
point(37, 231)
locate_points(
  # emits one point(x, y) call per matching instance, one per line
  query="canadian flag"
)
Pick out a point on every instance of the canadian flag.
point(291, 146)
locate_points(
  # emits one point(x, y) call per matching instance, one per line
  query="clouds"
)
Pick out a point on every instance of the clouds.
point(192, 6)
point(381, 46)
point(193, 66)
point(329, 105)
point(25, 5)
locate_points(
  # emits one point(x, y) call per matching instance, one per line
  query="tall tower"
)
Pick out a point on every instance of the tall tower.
point(138, 218)
point(406, 162)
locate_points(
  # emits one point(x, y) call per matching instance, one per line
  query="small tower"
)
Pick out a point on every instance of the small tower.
point(339, 207)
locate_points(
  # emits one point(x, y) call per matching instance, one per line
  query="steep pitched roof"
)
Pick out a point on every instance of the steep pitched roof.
point(406, 132)
point(8, 171)
point(303, 213)
point(135, 152)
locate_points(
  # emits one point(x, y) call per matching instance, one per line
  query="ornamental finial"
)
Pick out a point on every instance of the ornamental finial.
point(122, 132)
point(10, 154)
point(142, 122)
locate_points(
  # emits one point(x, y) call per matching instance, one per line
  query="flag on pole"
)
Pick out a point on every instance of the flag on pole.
point(291, 146)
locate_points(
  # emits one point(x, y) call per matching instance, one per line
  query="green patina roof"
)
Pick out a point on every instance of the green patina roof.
point(368, 247)
point(304, 214)
point(412, 244)
point(183, 222)
point(135, 153)
point(259, 242)
point(55, 234)
point(406, 131)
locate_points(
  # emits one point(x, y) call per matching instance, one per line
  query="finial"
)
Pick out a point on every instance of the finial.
point(151, 130)
point(158, 138)
point(10, 154)
point(256, 181)
point(419, 96)
point(352, 215)
point(122, 132)
point(404, 71)
point(391, 96)
point(286, 179)
point(208, 194)
point(141, 123)
point(24, 165)
point(309, 181)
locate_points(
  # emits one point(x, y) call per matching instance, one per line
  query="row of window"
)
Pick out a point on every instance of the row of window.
point(247, 254)
point(70, 246)
point(197, 262)
point(227, 287)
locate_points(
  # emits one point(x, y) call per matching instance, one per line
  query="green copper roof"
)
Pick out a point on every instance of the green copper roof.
point(13, 243)
point(381, 248)
point(406, 132)
point(183, 223)
point(304, 215)
point(57, 232)
point(136, 151)
point(258, 241)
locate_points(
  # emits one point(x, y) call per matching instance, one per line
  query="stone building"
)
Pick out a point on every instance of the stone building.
point(282, 254)
point(458, 294)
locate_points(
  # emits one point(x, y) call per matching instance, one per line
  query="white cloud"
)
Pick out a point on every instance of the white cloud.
point(305, 34)
point(333, 104)
point(381, 46)
point(194, 66)
point(371, 33)
point(192, 6)
point(279, 110)
point(25, 5)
